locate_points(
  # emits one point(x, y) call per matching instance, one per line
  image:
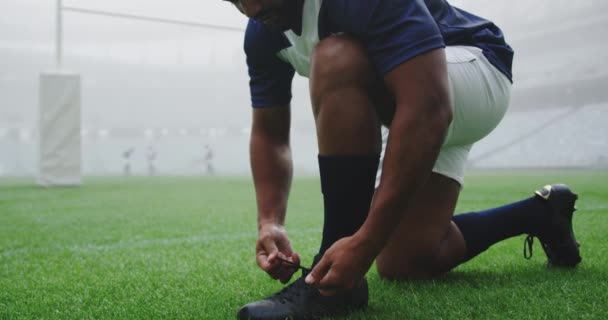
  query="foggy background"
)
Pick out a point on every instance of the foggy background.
point(177, 89)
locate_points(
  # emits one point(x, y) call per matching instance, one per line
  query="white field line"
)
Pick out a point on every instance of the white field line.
point(91, 247)
point(592, 207)
point(171, 241)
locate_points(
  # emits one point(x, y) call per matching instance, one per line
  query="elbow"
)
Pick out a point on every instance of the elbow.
point(432, 117)
point(445, 115)
point(439, 118)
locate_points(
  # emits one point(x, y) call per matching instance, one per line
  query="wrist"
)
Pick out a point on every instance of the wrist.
point(381, 221)
point(369, 240)
point(269, 223)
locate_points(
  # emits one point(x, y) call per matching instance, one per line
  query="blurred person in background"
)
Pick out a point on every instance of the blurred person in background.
point(208, 160)
point(126, 156)
point(150, 158)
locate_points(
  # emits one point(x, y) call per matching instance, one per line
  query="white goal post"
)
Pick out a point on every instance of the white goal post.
point(59, 104)
point(59, 145)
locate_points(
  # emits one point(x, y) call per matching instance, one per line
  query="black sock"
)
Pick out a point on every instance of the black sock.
point(485, 228)
point(347, 183)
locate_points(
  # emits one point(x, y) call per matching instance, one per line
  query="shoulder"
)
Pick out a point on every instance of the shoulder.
point(392, 31)
point(357, 17)
point(261, 42)
point(351, 8)
point(347, 15)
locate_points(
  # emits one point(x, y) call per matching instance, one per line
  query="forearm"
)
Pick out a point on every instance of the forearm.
point(272, 168)
point(415, 139)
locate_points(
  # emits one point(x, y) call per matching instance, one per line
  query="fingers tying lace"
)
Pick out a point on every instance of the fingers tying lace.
point(293, 265)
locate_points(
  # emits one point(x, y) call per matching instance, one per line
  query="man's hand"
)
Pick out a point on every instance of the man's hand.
point(273, 244)
point(342, 267)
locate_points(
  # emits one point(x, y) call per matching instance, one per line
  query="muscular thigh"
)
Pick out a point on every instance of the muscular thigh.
point(480, 96)
point(418, 239)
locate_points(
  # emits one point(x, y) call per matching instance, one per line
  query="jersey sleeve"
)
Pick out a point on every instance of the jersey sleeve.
point(393, 31)
point(269, 77)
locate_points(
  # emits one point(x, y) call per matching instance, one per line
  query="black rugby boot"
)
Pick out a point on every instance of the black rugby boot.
point(299, 301)
point(557, 236)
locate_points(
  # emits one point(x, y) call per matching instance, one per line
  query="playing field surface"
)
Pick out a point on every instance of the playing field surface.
point(183, 248)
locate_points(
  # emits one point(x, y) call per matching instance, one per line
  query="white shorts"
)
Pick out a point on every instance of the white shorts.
point(480, 96)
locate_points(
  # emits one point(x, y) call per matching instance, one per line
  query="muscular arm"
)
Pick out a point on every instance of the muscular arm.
point(422, 116)
point(271, 164)
point(423, 113)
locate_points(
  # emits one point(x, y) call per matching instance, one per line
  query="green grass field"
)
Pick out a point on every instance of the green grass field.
point(183, 248)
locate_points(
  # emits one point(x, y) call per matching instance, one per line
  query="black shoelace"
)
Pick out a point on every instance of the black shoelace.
point(294, 265)
point(528, 245)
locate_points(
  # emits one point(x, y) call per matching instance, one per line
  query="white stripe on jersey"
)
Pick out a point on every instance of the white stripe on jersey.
point(298, 55)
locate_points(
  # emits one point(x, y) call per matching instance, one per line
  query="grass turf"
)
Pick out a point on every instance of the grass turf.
point(183, 248)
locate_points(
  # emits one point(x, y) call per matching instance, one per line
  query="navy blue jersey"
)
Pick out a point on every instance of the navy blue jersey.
point(392, 32)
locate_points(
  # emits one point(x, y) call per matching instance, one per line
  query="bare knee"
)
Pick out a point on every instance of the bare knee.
point(339, 62)
point(422, 258)
point(340, 80)
point(419, 266)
